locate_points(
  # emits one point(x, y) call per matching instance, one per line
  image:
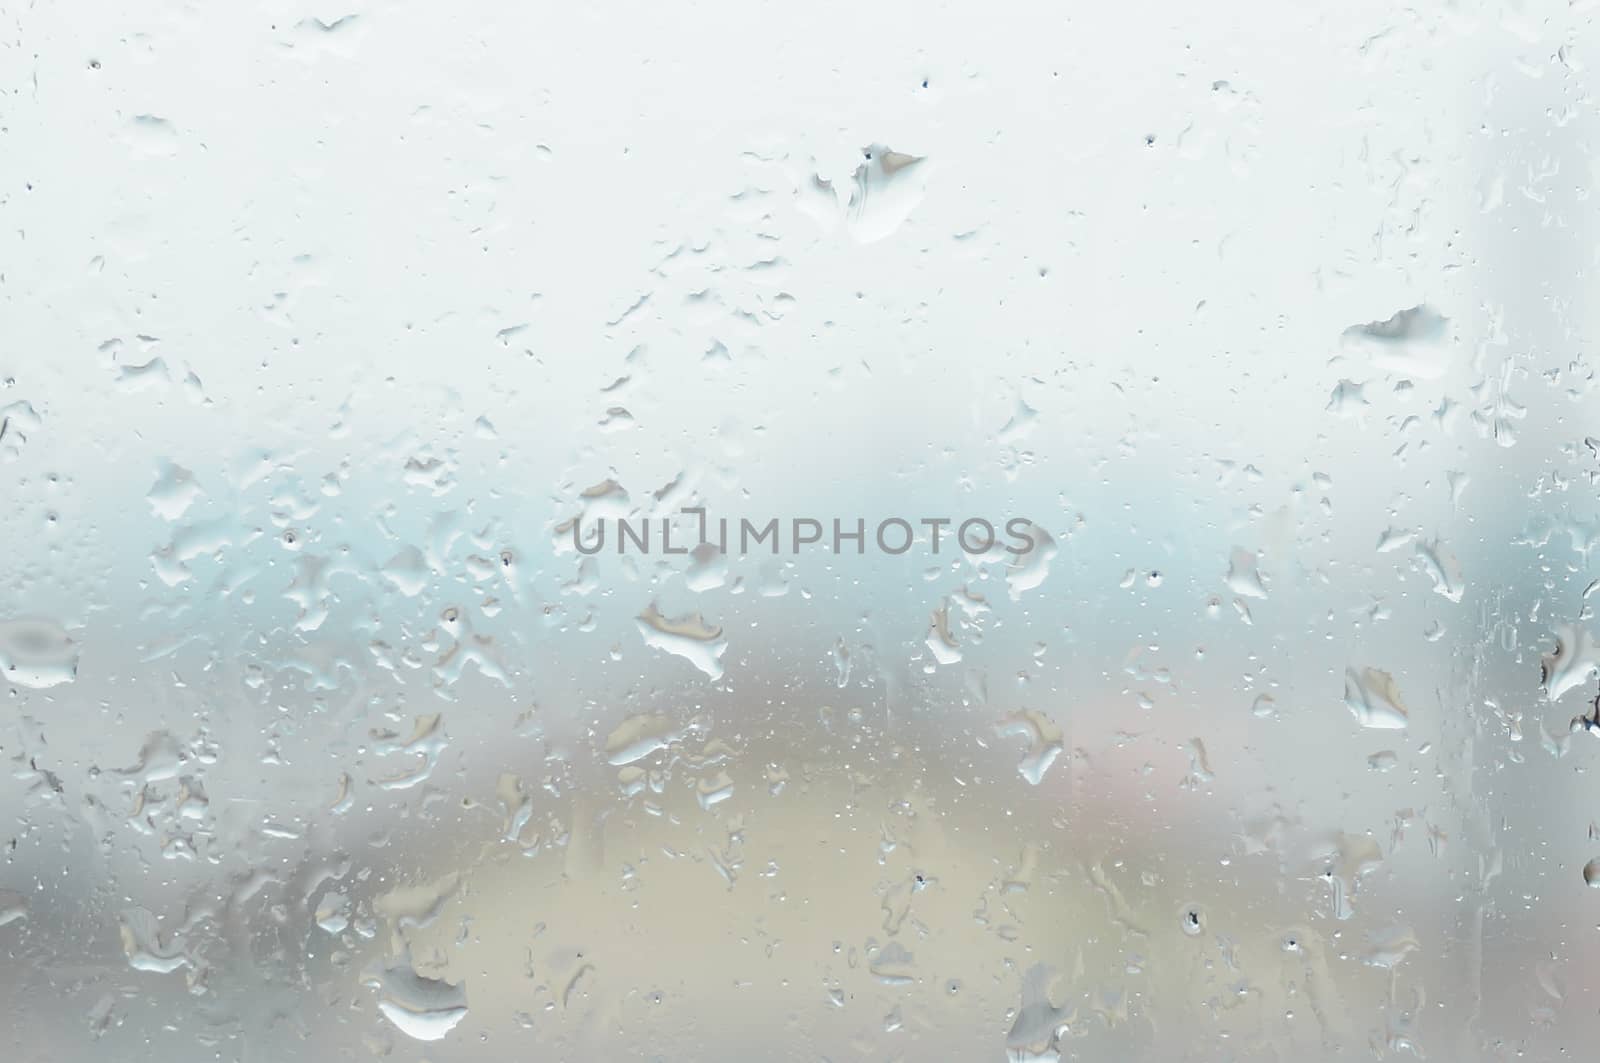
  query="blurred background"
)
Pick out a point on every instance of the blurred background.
point(320, 324)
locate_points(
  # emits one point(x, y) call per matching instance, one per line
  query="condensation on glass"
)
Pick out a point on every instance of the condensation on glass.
point(328, 334)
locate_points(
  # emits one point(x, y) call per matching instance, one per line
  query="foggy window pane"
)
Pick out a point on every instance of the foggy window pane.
point(735, 531)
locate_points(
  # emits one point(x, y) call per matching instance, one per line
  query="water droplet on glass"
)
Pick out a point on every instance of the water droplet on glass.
point(37, 653)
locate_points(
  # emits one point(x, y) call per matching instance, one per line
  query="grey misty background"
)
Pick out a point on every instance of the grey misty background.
point(319, 323)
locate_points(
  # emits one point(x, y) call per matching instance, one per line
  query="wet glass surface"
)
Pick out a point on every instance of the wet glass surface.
point(494, 564)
